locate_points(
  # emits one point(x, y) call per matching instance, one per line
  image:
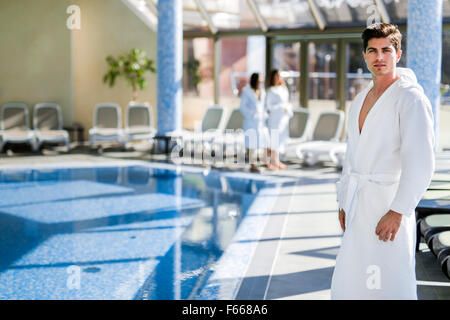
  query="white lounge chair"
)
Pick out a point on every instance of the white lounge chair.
point(107, 124)
point(337, 153)
point(211, 126)
point(212, 121)
point(298, 132)
point(232, 139)
point(15, 125)
point(48, 124)
point(325, 137)
point(138, 123)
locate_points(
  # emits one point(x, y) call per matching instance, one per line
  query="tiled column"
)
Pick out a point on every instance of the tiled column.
point(170, 65)
point(424, 49)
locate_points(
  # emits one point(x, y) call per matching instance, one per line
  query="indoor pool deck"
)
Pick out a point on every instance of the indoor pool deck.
point(295, 255)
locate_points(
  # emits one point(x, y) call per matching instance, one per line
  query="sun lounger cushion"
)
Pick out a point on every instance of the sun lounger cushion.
point(441, 247)
point(433, 224)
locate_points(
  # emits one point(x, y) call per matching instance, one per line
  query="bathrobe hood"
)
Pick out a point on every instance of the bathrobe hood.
point(408, 79)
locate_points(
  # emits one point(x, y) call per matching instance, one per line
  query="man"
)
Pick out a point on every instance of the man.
point(389, 164)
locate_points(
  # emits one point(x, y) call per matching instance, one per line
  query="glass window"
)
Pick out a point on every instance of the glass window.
point(198, 79)
point(322, 75)
point(286, 58)
point(444, 116)
point(357, 76)
point(446, 57)
point(446, 9)
point(397, 10)
point(402, 62)
point(286, 13)
point(240, 57)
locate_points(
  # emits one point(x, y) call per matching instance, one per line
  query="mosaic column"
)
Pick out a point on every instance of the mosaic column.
point(170, 65)
point(424, 49)
point(167, 285)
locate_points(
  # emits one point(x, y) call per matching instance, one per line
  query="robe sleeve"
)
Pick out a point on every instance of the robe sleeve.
point(248, 109)
point(273, 103)
point(245, 106)
point(417, 151)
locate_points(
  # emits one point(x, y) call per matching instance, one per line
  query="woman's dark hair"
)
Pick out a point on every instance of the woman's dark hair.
point(254, 81)
point(273, 73)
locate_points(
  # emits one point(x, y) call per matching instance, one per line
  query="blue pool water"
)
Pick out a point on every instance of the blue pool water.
point(129, 232)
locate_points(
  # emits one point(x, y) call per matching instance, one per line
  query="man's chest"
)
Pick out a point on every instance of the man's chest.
point(367, 105)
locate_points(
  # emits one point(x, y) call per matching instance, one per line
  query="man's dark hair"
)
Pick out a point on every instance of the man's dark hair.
point(382, 30)
point(254, 81)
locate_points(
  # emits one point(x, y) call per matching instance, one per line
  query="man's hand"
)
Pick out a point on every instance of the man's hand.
point(342, 219)
point(388, 226)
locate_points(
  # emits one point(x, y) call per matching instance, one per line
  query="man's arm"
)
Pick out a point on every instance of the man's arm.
point(342, 219)
point(388, 226)
point(417, 158)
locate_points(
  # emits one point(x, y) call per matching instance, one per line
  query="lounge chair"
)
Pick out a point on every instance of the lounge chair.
point(15, 125)
point(433, 224)
point(107, 124)
point(298, 132)
point(212, 122)
point(138, 123)
point(434, 202)
point(337, 153)
point(235, 121)
point(48, 124)
point(211, 126)
point(441, 247)
point(232, 139)
point(325, 137)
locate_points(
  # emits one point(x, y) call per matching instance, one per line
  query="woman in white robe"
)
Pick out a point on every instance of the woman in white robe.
point(254, 125)
point(388, 166)
point(280, 111)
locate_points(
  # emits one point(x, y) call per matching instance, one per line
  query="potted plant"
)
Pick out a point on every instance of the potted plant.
point(133, 67)
point(192, 67)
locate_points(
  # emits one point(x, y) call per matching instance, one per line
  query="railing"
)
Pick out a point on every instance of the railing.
point(290, 76)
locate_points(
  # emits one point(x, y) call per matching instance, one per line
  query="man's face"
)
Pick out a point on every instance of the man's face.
point(381, 57)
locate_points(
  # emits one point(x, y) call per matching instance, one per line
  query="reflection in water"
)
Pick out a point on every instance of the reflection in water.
point(178, 244)
point(107, 175)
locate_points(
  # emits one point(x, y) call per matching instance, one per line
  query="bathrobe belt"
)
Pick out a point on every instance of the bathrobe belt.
point(357, 181)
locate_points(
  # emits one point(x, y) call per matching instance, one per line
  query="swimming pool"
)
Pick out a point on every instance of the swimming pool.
point(134, 231)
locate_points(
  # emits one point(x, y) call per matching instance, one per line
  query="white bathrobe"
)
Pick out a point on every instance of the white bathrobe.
point(388, 166)
point(252, 109)
point(280, 111)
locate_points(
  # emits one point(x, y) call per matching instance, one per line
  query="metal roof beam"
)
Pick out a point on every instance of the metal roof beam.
point(152, 6)
point(382, 11)
point(143, 12)
point(259, 18)
point(206, 16)
point(318, 17)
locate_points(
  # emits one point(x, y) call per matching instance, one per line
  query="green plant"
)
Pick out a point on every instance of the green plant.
point(192, 66)
point(133, 67)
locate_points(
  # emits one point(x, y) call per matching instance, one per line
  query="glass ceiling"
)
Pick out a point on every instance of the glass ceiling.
point(263, 15)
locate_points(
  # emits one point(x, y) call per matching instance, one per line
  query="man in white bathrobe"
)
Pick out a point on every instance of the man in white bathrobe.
point(388, 167)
